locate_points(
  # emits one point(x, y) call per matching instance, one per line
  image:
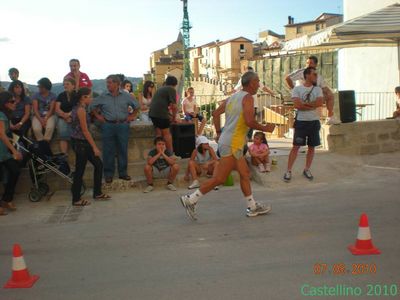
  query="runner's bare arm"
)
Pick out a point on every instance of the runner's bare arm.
point(248, 112)
point(216, 116)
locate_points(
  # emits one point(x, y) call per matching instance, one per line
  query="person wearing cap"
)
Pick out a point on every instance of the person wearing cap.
point(202, 160)
point(160, 165)
point(44, 103)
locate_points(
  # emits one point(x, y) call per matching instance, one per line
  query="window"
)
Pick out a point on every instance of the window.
point(299, 30)
point(242, 49)
point(317, 27)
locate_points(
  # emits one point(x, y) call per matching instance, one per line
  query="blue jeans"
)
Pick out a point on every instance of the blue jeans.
point(115, 142)
point(64, 129)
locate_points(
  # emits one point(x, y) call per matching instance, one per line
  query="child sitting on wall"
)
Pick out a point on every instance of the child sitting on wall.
point(160, 165)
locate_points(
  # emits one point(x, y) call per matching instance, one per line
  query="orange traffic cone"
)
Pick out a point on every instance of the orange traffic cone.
point(363, 244)
point(20, 275)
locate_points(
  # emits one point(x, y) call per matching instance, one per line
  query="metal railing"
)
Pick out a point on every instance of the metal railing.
point(374, 105)
point(279, 110)
point(270, 109)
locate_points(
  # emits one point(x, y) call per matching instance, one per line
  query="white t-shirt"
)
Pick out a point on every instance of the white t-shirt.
point(307, 94)
point(189, 105)
point(298, 78)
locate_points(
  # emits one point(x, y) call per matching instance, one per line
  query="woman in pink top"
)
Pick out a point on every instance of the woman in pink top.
point(259, 153)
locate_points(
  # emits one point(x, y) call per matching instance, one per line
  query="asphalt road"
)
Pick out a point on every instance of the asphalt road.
point(144, 247)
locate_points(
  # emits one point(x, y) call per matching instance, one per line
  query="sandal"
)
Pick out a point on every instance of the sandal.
point(3, 212)
point(10, 206)
point(102, 197)
point(82, 202)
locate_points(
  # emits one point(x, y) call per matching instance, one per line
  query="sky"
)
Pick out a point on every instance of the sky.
point(39, 37)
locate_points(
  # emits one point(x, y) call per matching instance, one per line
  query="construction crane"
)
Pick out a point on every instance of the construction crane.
point(186, 44)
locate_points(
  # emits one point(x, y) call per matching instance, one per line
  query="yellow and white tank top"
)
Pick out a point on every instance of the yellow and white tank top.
point(235, 129)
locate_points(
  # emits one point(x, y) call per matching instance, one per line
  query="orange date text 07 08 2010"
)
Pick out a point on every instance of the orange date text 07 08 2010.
point(343, 269)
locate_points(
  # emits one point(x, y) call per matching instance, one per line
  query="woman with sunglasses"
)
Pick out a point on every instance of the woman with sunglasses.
point(145, 100)
point(20, 117)
point(85, 149)
point(8, 154)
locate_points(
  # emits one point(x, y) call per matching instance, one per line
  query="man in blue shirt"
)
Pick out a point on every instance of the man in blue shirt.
point(112, 110)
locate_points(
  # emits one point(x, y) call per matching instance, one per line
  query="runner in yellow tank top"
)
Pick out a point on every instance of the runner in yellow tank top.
point(239, 110)
point(233, 138)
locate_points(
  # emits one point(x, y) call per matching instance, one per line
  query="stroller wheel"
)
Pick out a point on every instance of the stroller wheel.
point(43, 188)
point(35, 196)
point(83, 189)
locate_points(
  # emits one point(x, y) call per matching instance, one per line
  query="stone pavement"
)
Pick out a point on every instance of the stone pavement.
point(143, 246)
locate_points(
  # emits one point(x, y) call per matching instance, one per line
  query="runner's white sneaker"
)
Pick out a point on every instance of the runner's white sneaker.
point(195, 184)
point(288, 176)
point(307, 174)
point(189, 207)
point(261, 209)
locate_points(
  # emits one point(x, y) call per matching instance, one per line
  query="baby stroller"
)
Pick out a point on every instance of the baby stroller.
point(42, 161)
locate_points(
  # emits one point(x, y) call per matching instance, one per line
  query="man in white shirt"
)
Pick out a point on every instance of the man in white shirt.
point(298, 78)
point(307, 98)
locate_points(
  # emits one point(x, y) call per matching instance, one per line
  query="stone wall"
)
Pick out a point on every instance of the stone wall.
point(140, 142)
point(141, 138)
point(364, 137)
